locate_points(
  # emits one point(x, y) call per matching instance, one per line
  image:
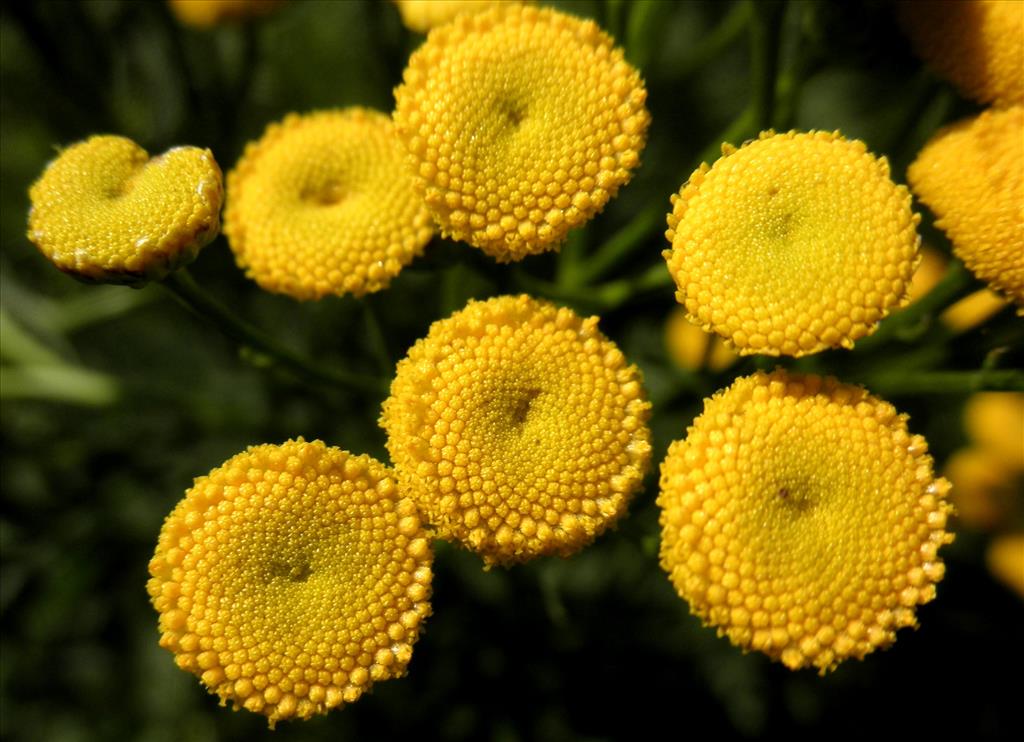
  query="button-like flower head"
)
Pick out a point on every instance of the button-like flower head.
point(519, 429)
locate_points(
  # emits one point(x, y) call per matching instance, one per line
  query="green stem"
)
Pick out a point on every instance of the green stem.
point(907, 324)
point(621, 244)
point(375, 337)
point(184, 287)
point(765, 33)
point(724, 34)
point(899, 382)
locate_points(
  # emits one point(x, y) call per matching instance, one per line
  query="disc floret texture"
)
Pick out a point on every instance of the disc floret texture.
point(291, 578)
point(519, 428)
point(105, 211)
point(971, 176)
point(975, 44)
point(322, 204)
point(801, 519)
point(792, 244)
point(521, 123)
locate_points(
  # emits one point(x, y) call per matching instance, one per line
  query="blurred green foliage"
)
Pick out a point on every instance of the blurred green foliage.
point(114, 399)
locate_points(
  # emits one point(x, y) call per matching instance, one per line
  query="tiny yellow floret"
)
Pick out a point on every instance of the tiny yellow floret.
point(322, 204)
point(105, 211)
point(978, 45)
point(801, 519)
point(209, 13)
point(519, 428)
point(291, 578)
point(520, 123)
point(971, 176)
point(792, 244)
point(423, 15)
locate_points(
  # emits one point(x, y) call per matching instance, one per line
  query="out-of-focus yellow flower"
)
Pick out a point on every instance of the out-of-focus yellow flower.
point(104, 211)
point(1005, 558)
point(971, 176)
point(802, 519)
point(423, 15)
point(973, 310)
point(291, 578)
point(521, 123)
point(209, 13)
point(519, 428)
point(792, 244)
point(687, 345)
point(985, 490)
point(322, 204)
point(975, 44)
point(928, 273)
point(995, 422)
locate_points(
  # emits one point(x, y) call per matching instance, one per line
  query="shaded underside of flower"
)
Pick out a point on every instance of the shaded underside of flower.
point(521, 123)
point(323, 204)
point(103, 210)
point(291, 578)
point(792, 244)
point(423, 15)
point(975, 44)
point(519, 428)
point(801, 519)
point(971, 176)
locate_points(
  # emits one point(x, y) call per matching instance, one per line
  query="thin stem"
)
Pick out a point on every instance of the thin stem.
point(765, 33)
point(908, 323)
point(184, 287)
point(722, 36)
point(621, 244)
point(375, 337)
point(900, 382)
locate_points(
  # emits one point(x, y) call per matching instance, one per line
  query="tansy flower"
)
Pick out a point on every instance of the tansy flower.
point(1005, 558)
point(322, 204)
point(930, 271)
point(291, 578)
point(978, 45)
point(520, 124)
point(209, 13)
point(792, 244)
point(104, 211)
point(423, 15)
point(519, 429)
point(691, 348)
point(971, 176)
point(801, 519)
point(973, 310)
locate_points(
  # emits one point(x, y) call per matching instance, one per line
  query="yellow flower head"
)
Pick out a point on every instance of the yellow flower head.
point(520, 124)
point(985, 489)
point(322, 204)
point(291, 578)
point(423, 15)
point(801, 519)
point(519, 428)
point(104, 211)
point(995, 422)
point(792, 244)
point(209, 13)
point(978, 45)
point(971, 176)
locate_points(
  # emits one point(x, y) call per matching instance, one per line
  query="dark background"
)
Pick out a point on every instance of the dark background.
point(143, 395)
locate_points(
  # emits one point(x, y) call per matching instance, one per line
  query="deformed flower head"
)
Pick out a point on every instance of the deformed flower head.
point(209, 13)
point(801, 519)
point(322, 204)
point(519, 428)
point(521, 123)
point(971, 176)
point(792, 244)
point(103, 210)
point(423, 15)
point(975, 44)
point(291, 578)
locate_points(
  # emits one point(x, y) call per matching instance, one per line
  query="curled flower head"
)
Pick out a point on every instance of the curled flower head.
point(521, 123)
point(975, 44)
point(291, 578)
point(423, 15)
point(971, 176)
point(322, 204)
point(210, 13)
point(792, 244)
point(103, 210)
point(519, 428)
point(801, 519)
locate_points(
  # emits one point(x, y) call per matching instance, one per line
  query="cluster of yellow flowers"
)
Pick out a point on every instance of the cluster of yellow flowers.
point(799, 515)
